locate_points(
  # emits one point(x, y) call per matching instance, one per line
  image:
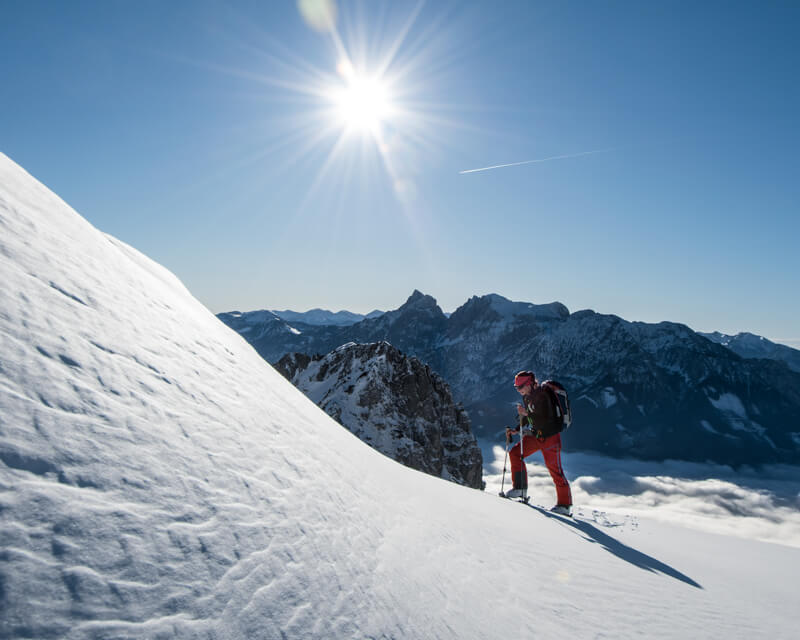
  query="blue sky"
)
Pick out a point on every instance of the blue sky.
point(204, 134)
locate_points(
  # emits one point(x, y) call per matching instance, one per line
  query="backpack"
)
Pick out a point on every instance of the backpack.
point(560, 402)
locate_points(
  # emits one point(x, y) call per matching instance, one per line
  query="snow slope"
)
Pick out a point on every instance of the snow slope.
point(159, 479)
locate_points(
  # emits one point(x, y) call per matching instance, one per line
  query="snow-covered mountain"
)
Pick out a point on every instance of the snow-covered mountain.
point(158, 479)
point(749, 345)
point(652, 391)
point(274, 337)
point(324, 317)
point(394, 403)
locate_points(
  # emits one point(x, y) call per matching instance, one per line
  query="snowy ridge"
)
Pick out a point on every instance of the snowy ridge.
point(152, 461)
point(507, 309)
point(748, 345)
point(325, 317)
point(159, 479)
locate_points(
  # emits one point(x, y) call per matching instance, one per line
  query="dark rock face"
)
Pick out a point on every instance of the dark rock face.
point(394, 403)
point(653, 391)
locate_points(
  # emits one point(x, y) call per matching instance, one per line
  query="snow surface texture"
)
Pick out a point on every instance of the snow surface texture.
point(160, 480)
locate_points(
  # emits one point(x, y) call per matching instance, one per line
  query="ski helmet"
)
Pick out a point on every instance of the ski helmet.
point(523, 378)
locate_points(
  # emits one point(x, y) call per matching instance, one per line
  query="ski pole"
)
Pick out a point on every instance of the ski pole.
point(523, 479)
point(503, 483)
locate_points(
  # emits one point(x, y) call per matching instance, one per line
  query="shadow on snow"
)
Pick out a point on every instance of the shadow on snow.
point(614, 546)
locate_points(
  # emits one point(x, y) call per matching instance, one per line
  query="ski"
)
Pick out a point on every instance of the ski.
point(538, 507)
point(552, 511)
point(524, 500)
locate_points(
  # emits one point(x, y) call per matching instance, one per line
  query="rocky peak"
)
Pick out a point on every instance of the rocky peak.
point(415, 327)
point(394, 403)
point(540, 312)
point(419, 303)
point(496, 307)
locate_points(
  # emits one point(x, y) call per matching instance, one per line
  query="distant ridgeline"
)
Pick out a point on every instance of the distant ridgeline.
point(651, 391)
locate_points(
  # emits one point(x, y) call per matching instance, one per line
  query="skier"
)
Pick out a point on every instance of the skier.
point(540, 429)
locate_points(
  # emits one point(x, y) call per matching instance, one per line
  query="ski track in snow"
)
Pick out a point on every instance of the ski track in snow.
point(159, 479)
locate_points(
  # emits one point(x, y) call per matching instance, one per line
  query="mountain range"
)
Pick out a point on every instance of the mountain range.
point(325, 317)
point(648, 390)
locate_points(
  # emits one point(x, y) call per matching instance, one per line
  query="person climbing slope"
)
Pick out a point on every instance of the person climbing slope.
point(539, 427)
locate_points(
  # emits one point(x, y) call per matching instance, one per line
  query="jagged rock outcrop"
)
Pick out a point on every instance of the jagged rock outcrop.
point(394, 403)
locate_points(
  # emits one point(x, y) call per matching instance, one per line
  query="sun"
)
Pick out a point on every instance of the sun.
point(363, 104)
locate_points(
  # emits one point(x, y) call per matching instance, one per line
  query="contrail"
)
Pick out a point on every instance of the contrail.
point(516, 164)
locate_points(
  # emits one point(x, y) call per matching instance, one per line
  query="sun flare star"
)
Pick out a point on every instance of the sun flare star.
point(370, 106)
point(363, 104)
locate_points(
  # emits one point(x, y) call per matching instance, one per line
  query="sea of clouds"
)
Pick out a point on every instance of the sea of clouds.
point(758, 503)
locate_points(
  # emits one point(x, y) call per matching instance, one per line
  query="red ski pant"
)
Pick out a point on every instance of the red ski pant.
point(551, 450)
